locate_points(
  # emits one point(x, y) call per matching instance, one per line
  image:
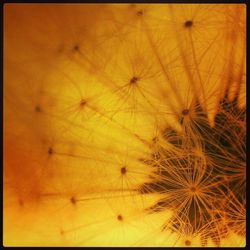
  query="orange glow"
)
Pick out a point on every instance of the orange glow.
point(124, 125)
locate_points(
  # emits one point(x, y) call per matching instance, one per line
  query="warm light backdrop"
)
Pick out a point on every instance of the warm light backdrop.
point(124, 125)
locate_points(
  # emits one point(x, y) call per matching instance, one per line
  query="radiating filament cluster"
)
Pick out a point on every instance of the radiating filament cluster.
point(124, 125)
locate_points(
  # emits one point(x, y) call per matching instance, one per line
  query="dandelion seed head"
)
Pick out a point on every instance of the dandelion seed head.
point(126, 130)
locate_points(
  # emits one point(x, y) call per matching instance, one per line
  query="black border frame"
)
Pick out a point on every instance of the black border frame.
point(125, 2)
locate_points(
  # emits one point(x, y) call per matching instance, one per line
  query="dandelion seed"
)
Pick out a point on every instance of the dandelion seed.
point(123, 170)
point(50, 151)
point(139, 12)
point(188, 24)
point(134, 80)
point(119, 217)
point(76, 48)
point(73, 200)
point(185, 112)
point(187, 242)
point(38, 109)
point(83, 103)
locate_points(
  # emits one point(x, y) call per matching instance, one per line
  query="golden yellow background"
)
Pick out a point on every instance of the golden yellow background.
point(72, 118)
